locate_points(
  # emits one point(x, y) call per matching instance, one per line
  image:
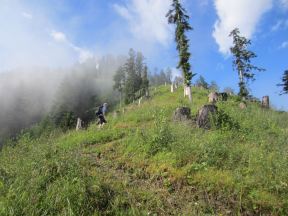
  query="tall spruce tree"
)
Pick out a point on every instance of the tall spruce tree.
point(242, 61)
point(119, 82)
point(178, 16)
point(139, 68)
point(201, 82)
point(131, 78)
point(284, 83)
point(169, 75)
point(145, 81)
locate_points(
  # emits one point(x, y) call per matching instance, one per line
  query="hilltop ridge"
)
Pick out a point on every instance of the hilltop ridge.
point(143, 163)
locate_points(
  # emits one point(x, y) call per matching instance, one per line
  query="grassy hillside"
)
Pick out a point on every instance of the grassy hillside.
point(142, 163)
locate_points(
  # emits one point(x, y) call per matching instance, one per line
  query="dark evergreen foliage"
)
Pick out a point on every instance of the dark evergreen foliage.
point(284, 83)
point(178, 16)
point(214, 87)
point(242, 61)
point(161, 78)
point(201, 82)
point(131, 79)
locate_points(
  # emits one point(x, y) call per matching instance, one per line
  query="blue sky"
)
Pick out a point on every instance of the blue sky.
point(58, 33)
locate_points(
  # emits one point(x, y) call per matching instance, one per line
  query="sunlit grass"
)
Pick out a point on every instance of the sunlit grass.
point(130, 168)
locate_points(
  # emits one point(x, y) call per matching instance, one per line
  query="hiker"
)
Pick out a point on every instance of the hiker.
point(101, 115)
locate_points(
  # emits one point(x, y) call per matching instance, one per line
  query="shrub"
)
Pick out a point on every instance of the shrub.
point(64, 120)
point(162, 134)
point(224, 121)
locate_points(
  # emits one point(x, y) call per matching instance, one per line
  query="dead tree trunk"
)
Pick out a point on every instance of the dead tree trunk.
point(172, 88)
point(189, 94)
point(266, 102)
point(147, 93)
point(139, 101)
point(79, 124)
point(185, 91)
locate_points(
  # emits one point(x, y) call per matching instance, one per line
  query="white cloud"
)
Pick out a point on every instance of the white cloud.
point(58, 36)
point(27, 15)
point(284, 45)
point(176, 73)
point(123, 11)
point(203, 3)
point(284, 4)
point(34, 43)
point(277, 26)
point(281, 24)
point(244, 14)
point(82, 53)
point(146, 19)
point(27, 44)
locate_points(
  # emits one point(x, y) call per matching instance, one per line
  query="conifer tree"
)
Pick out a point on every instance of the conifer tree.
point(284, 83)
point(178, 16)
point(139, 68)
point(214, 87)
point(201, 82)
point(131, 84)
point(119, 82)
point(131, 80)
point(169, 75)
point(145, 81)
point(242, 61)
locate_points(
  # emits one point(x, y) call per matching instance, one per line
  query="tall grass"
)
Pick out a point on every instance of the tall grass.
point(143, 163)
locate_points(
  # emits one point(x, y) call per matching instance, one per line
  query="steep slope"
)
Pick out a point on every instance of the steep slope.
point(142, 163)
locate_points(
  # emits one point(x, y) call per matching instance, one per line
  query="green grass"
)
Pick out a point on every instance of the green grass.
point(142, 163)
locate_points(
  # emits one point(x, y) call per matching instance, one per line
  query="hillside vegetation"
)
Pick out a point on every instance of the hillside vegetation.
point(142, 163)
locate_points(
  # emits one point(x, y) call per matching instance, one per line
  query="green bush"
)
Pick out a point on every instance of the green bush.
point(162, 134)
point(224, 121)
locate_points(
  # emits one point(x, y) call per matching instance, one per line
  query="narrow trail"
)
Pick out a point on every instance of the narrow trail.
point(104, 162)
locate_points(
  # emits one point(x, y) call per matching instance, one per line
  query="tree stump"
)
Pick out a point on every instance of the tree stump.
point(147, 93)
point(172, 88)
point(265, 102)
point(139, 101)
point(116, 114)
point(204, 116)
point(182, 114)
point(185, 91)
point(79, 124)
point(223, 96)
point(213, 97)
point(242, 105)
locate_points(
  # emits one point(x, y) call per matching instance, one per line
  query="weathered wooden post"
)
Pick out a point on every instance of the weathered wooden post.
point(266, 102)
point(79, 124)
